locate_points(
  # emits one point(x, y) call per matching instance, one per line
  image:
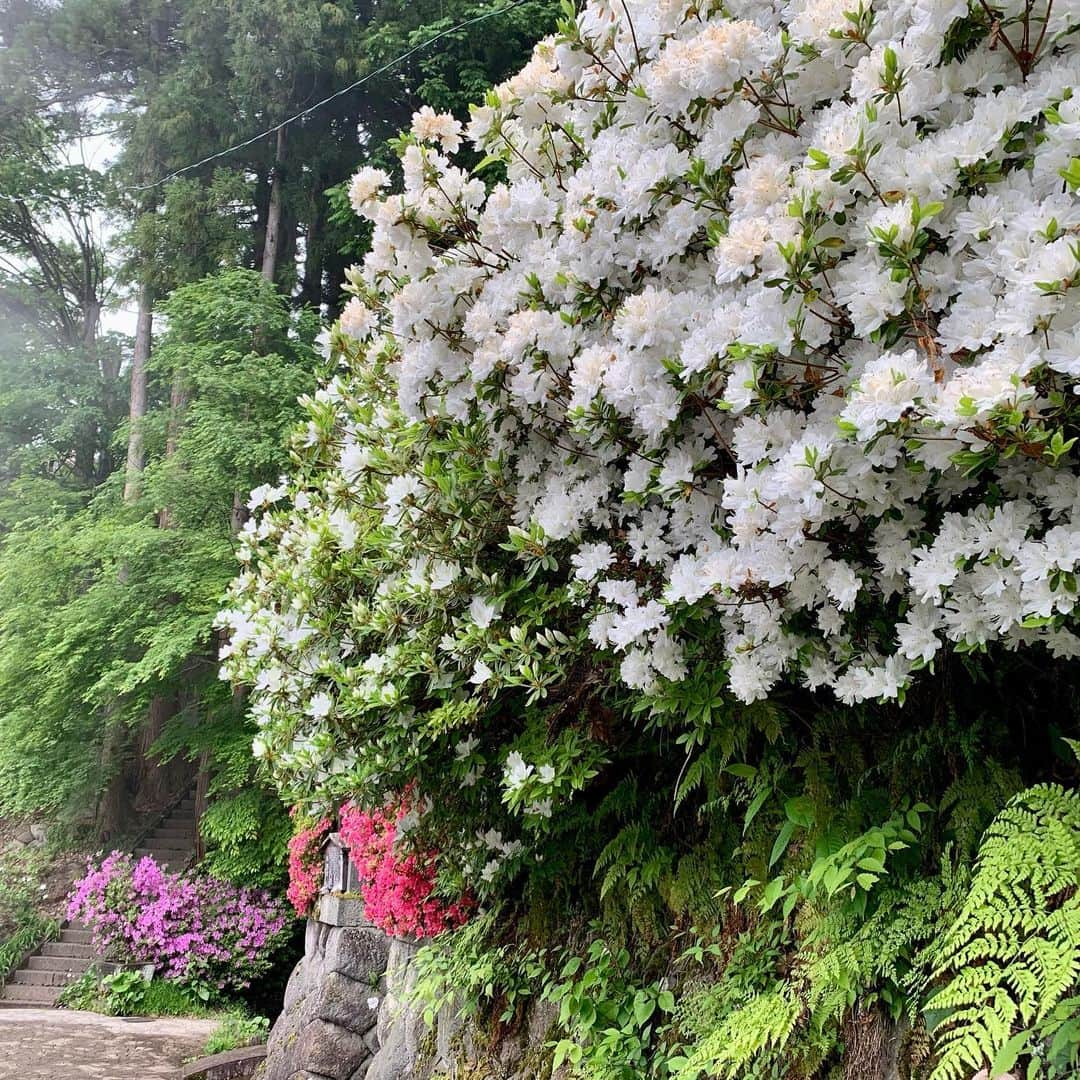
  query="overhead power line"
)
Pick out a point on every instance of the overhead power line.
point(325, 101)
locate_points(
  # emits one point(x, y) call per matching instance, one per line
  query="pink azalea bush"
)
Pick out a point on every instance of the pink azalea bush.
point(306, 865)
point(196, 929)
point(398, 888)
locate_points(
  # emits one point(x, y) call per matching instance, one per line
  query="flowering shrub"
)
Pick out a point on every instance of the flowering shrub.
point(398, 889)
point(306, 865)
point(773, 327)
point(667, 466)
point(197, 930)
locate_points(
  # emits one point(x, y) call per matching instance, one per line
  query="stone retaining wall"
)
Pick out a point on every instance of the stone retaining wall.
point(346, 1017)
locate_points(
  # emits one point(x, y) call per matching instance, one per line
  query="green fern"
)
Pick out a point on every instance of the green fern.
point(765, 1023)
point(1013, 953)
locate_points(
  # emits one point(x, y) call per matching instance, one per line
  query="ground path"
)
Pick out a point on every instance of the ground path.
point(55, 1044)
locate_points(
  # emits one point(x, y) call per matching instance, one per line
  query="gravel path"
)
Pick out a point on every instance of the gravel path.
point(54, 1044)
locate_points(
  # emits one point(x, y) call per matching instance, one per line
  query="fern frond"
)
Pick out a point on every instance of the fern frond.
point(1013, 952)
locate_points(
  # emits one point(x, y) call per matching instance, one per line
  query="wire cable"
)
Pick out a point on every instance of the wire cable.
point(319, 104)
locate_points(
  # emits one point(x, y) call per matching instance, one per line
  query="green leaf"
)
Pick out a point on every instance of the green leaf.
point(1009, 1053)
point(644, 1007)
point(781, 843)
point(800, 810)
point(756, 804)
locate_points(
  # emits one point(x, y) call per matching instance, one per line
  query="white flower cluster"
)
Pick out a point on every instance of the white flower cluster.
point(767, 310)
point(773, 328)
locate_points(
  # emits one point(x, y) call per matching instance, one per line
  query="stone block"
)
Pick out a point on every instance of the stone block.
point(296, 986)
point(449, 1035)
point(281, 1048)
point(232, 1065)
point(341, 1001)
point(330, 1051)
point(336, 910)
point(359, 953)
point(394, 1061)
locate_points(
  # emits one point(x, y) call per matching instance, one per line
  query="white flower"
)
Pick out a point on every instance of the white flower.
point(590, 560)
point(482, 611)
point(357, 319)
point(466, 747)
point(266, 494)
point(481, 673)
point(364, 186)
point(515, 772)
point(355, 458)
point(444, 574)
point(320, 705)
point(659, 343)
point(430, 126)
point(843, 585)
point(345, 528)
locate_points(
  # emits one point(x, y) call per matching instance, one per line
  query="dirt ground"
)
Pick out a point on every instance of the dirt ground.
point(53, 1044)
point(28, 874)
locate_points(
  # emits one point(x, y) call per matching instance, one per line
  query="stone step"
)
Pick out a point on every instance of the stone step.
point(66, 949)
point(76, 937)
point(171, 857)
point(76, 964)
point(186, 836)
point(29, 995)
point(41, 978)
point(168, 843)
point(181, 831)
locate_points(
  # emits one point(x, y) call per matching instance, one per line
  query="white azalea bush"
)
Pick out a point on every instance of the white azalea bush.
point(757, 375)
point(774, 326)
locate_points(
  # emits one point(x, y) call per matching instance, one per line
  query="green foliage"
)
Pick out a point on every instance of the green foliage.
point(467, 970)
point(237, 1030)
point(103, 610)
point(127, 993)
point(32, 931)
point(21, 871)
point(82, 993)
point(1011, 959)
point(612, 1022)
point(124, 993)
point(854, 937)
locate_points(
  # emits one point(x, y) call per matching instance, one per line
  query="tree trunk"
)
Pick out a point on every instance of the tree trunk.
point(91, 322)
point(334, 266)
point(288, 235)
point(273, 217)
point(202, 792)
point(114, 803)
point(136, 452)
point(151, 780)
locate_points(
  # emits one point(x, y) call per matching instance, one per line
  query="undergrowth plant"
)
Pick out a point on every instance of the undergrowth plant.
point(1010, 962)
point(30, 933)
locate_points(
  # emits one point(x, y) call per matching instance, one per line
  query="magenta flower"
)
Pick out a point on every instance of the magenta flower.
point(196, 929)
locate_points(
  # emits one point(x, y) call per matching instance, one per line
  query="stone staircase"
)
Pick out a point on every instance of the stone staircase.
point(37, 984)
point(172, 843)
